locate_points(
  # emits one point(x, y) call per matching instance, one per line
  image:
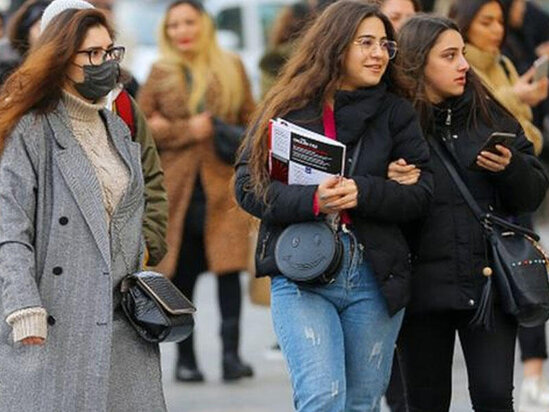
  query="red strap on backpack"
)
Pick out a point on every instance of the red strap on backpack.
point(124, 109)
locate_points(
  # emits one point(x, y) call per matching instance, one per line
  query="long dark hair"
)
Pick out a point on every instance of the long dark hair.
point(289, 23)
point(464, 12)
point(416, 38)
point(311, 74)
point(21, 22)
point(38, 82)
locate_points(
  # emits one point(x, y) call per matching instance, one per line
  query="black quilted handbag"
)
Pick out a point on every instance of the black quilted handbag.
point(227, 139)
point(157, 310)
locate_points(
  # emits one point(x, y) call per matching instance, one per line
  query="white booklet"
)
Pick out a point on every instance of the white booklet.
point(301, 156)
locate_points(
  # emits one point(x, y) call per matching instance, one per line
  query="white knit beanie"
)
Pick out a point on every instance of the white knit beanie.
point(59, 6)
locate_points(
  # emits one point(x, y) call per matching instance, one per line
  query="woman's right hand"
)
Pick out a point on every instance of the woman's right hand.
point(33, 341)
point(326, 194)
point(201, 126)
point(531, 93)
point(403, 173)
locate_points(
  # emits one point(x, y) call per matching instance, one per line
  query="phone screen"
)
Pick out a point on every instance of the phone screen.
point(501, 138)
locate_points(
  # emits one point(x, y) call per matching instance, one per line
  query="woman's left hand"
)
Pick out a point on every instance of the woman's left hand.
point(495, 162)
point(347, 191)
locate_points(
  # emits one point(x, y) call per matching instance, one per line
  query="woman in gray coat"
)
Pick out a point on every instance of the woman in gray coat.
point(71, 201)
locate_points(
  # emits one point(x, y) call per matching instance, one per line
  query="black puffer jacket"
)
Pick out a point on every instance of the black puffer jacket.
point(448, 247)
point(390, 129)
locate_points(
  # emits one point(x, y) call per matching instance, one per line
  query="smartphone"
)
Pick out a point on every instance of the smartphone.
point(501, 138)
point(542, 68)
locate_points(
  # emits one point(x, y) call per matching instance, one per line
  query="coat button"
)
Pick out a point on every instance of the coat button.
point(471, 302)
point(63, 220)
point(57, 270)
point(51, 320)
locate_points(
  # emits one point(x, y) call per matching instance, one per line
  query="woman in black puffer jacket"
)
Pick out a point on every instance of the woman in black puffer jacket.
point(448, 247)
point(338, 337)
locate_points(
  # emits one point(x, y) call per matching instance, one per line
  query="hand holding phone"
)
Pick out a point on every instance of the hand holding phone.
point(497, 138)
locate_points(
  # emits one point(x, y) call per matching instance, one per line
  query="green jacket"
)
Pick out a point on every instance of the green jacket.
point(155, 222)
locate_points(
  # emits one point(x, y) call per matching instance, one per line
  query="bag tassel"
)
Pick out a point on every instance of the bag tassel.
point(484, 316)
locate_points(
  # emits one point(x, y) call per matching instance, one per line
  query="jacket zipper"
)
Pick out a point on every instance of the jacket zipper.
point(264, 245)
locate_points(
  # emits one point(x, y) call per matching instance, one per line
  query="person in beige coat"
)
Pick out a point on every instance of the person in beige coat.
point(484, 31)
point(193, 83)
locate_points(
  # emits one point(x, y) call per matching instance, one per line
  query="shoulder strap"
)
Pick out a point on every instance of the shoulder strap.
point(124, 109)
point(473, 205)
point(481, 216)
point(356, 153)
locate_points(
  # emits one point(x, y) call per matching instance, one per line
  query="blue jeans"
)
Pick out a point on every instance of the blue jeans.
point(338, 339)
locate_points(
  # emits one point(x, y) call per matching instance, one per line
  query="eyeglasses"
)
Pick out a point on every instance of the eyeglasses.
point(97, 55)
point(367, 44)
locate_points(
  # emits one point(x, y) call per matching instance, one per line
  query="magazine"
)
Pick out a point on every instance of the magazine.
point(303, 157)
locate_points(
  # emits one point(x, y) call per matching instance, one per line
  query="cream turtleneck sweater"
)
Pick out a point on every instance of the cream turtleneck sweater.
point(113, 175)
point(90, 132)
point(488, 67)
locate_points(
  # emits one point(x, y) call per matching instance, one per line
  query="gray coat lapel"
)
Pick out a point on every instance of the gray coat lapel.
point(81, 179)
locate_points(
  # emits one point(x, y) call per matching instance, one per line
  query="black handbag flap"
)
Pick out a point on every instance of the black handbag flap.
point(164, 292)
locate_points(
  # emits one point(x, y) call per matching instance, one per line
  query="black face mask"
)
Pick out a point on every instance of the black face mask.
point(98, 80)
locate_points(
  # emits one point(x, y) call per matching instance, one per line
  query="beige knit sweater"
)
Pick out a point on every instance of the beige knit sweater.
point(113, 175)
point(490, 70)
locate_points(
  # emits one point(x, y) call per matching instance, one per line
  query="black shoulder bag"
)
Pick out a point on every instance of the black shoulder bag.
point(311, 251)
point(519, 263)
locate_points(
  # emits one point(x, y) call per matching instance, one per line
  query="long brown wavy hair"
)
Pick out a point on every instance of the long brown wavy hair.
point(312, 74)
point(38, 82)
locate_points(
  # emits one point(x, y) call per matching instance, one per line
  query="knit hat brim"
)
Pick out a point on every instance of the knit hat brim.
point(57, 7)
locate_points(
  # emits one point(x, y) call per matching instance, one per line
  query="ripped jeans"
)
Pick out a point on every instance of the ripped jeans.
point(338, 339)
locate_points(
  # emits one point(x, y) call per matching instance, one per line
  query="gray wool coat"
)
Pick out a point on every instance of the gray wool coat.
point(57, 252)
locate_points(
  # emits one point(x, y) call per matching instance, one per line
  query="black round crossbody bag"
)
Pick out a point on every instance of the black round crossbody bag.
point(311, 252)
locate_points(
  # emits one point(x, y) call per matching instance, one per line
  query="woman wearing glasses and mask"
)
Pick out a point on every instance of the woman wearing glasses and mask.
point(338, 337)
point(71, 196)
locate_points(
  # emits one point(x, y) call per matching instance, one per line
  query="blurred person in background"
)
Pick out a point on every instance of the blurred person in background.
point(290, 22)
point(71, 225)
point(2, 24)
point(528, 39)
point(527, 34)
point(22, 32)
point(195, 81)
point(483, 26)
point(399, 11)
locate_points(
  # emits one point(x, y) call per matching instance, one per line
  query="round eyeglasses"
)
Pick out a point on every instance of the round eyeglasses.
point(98, 55)
point(367, 44)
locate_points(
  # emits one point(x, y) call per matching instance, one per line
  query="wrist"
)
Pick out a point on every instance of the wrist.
point(30, 322)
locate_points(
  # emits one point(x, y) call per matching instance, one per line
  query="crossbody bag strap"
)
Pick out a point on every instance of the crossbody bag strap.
point(356, 153)
point(473, 205)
